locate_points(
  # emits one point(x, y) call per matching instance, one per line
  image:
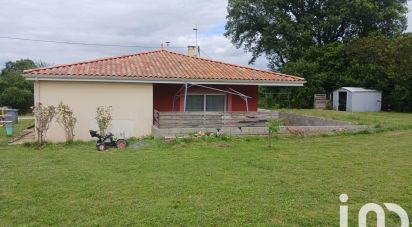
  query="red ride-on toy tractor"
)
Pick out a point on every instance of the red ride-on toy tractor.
point(104, 142)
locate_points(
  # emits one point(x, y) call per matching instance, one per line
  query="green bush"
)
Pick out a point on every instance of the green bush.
point(21, 99)
point(15, 90)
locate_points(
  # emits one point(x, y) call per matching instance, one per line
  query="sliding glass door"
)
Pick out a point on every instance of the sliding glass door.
point(206, 102)
point(215, 103)
point(195, 103)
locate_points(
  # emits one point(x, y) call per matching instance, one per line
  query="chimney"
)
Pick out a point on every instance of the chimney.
point(191, 51)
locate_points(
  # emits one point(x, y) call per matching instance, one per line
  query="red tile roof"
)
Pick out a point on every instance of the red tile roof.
point(160, 65)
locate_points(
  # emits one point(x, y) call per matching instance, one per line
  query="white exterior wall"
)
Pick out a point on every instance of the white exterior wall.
point(366, 102)
point(349, 101)
point(132, 105)
point(335, 97)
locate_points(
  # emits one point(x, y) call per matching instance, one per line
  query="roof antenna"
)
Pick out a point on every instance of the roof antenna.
point(197, 47)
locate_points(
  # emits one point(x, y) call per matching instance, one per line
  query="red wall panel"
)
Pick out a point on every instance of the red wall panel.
point(163, 95)
point(238, 104)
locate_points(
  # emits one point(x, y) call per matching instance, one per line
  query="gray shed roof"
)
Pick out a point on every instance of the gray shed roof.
point(357, 89)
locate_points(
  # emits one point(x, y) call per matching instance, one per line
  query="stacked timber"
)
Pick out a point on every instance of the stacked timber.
point(212, 119)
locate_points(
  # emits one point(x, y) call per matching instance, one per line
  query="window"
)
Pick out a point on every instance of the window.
point(215, 102)
point(206, 102)
point(195, 103)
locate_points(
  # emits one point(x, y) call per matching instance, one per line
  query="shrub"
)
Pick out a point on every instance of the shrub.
point(104, 118)
point(67, 120)
point(43, 116)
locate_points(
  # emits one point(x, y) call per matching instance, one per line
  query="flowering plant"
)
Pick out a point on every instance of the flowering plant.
point(43, 116)
point(103, 118)
point(67, 120)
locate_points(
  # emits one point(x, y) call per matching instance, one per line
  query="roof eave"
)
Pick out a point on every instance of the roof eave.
point(36, 77)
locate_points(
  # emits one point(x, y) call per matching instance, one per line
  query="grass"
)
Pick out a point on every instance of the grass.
point(235, 181)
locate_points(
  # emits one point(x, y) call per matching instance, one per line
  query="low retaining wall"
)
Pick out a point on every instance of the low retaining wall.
point(164, 120)
point(293, 124)
point(238, 131)
point(231, 131)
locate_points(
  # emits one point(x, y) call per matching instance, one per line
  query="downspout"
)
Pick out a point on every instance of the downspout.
point(38, 89)
point(38, 100)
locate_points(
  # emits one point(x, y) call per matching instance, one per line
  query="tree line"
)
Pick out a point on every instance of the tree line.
point(331, 43)
point(15, 90)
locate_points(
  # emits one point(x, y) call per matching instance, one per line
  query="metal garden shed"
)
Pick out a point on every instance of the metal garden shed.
point(356, 99)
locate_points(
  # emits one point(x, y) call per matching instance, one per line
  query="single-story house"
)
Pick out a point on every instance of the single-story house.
point(142, 85)
point(357, 99)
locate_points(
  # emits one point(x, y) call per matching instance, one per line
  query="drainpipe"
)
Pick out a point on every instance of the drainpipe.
point(36, 80)
point(38, 89)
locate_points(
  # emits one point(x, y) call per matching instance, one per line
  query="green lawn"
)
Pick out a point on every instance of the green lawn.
point(238, 181)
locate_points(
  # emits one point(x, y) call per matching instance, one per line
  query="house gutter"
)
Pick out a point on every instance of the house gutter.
point(163, 81)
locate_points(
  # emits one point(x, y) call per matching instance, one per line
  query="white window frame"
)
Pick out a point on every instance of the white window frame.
point(204, 100)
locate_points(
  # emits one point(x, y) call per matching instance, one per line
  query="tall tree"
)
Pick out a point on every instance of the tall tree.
point(15, 91)
point(17, 67)
point(376, 62)
point(284, 29)
point(384, 64)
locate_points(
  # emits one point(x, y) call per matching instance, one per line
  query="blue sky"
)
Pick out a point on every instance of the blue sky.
point(126, 22)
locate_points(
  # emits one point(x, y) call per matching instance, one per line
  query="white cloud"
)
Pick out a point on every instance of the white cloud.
point(126, 22)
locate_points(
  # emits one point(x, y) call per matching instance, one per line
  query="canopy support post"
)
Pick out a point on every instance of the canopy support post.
point(184, 103)
point(244, 97)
